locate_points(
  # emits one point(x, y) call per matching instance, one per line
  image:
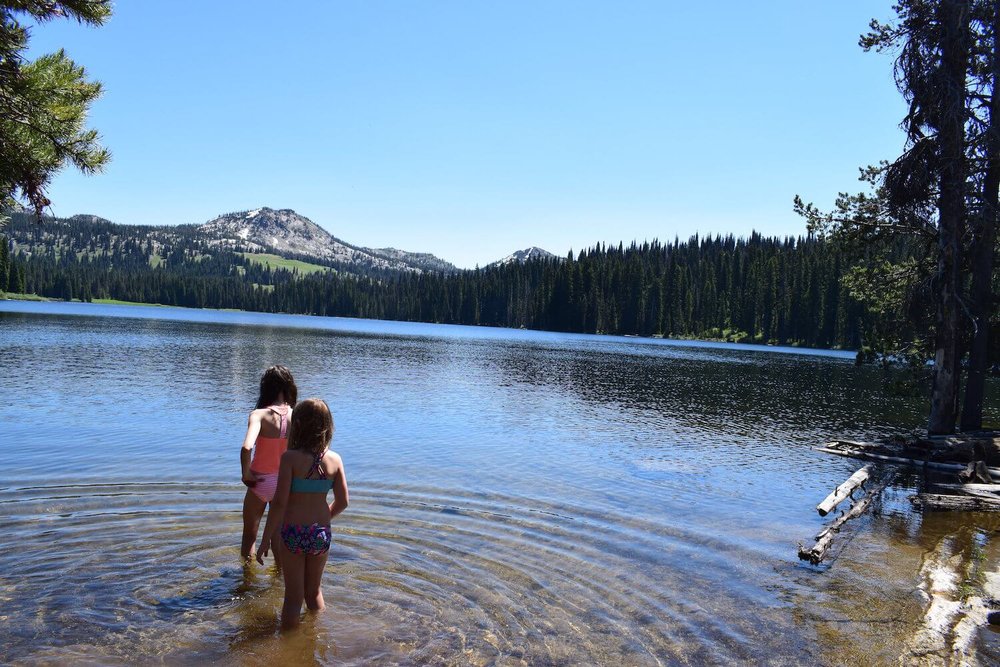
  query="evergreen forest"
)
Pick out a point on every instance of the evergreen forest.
point(788, 291)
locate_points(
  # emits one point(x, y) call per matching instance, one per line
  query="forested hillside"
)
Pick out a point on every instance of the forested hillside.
point(786, 291)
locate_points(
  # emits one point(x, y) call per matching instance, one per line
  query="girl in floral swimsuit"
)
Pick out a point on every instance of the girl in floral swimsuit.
point(267, 437)
point(308, 471)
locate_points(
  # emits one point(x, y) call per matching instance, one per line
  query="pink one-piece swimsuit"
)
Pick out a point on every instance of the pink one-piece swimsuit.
point(267, 457)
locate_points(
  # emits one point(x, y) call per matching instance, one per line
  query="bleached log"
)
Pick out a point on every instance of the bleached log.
point(843, 491)
point(871, 456)
point(977, 503)
point(986, 491)
point(989, 488)
point(986, 495)
point(824, 539)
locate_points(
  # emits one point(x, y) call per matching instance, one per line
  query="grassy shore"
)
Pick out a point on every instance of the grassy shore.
point(14, 296)
point(119, 302)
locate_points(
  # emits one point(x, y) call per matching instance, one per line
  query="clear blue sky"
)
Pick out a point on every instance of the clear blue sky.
point(472, 129)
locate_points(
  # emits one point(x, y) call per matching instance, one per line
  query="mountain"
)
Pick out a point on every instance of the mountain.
point(285, 232)
point(421, 260)
point(522, 256)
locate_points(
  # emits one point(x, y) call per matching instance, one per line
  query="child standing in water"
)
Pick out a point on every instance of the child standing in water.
point(267, 436)
point(307, 472)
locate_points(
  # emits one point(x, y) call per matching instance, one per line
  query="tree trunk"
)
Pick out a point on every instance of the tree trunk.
point(981, 294)
point(954, 17)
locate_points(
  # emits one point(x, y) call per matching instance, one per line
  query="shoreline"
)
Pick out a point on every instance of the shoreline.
point(11, 296)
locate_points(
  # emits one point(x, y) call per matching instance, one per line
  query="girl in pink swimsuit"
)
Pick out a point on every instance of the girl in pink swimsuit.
point(267, 437)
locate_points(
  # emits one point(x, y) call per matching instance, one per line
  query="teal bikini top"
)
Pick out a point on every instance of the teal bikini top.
point(308, 484)
point(300, 485)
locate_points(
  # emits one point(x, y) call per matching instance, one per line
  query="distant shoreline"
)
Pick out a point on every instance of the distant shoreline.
point(10, 296)
point(13, 296)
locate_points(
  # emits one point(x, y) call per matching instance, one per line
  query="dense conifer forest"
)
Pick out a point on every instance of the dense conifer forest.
point(765, 290)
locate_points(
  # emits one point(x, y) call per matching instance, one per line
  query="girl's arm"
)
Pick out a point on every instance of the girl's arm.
point(253, 430)
point(276, 513)
point(341, 497)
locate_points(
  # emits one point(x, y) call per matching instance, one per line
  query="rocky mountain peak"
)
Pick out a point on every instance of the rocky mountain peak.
point(522, 256)
point(283, 231)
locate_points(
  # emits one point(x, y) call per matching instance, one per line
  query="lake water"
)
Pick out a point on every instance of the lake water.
point(517, 497)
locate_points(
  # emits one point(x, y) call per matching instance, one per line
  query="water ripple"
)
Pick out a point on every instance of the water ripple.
point(517, 497)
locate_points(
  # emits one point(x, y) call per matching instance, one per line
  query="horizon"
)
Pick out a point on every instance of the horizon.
point(473, 132)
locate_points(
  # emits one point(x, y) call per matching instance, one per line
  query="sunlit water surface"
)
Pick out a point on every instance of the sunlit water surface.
point(517, 497)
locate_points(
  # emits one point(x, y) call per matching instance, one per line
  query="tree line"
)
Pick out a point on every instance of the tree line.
point(758, 289)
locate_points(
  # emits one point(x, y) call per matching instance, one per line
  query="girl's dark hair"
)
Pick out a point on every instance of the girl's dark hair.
point(277, 380)
point(311, 428)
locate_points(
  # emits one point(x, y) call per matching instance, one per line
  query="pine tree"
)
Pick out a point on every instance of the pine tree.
point(4, 264)
point(940, 195)
point(44, 103)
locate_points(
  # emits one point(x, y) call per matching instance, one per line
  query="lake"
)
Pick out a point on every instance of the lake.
point(517, 497)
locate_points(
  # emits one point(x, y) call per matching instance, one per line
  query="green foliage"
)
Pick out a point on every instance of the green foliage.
point(881, 288)
point(894, 293)
point(44, 104)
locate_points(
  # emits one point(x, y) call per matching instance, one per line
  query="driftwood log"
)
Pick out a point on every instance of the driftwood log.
point(843, 491)
point(969, 457)
point(989, 488)
point(824, 539)
point(860, 450)
point(938, 501)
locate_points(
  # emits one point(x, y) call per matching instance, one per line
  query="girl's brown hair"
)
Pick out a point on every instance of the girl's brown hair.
point(311, 427)
point(276, 381)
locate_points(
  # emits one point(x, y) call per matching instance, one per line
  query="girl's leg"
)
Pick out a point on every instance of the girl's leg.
point(253, 510)
point(293, 568)
point(313, 578)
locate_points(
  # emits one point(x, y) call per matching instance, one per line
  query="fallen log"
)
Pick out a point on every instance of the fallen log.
point(989, 493)
point(937, 501)
point(824, 539)
point(988, 488)
point(843, 491)
point(857, 453)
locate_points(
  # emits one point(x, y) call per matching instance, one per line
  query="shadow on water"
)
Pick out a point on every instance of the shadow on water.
point(233, 586)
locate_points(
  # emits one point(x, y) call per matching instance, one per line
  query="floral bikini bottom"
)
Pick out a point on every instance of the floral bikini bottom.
point(307, 540)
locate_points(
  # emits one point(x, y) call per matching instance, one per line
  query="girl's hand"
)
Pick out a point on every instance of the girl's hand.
point(250, 479)
point(262, 550)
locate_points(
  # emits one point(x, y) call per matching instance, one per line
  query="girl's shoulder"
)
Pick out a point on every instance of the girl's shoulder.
point(271, 413)
point(333, 457)
point(284, 408)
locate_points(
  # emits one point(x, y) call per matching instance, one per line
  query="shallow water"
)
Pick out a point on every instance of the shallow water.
point(517, 497)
